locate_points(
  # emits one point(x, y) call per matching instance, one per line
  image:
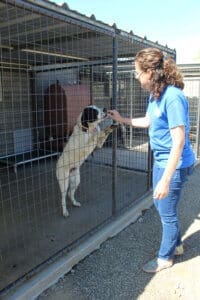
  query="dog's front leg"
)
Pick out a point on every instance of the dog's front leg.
point(74, 181)
point(101, 140)
point(102, 136)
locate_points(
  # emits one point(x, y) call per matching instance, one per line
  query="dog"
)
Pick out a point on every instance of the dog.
point(86, 136)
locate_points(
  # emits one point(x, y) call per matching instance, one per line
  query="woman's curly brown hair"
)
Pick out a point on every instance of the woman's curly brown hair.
point(164, 69)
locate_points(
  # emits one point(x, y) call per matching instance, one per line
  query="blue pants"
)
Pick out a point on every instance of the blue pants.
point(167, 209)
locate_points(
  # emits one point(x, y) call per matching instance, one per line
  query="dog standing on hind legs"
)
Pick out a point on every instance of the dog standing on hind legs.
point(86, 136)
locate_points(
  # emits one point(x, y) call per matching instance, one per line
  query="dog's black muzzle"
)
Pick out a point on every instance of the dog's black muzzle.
point(105, 112)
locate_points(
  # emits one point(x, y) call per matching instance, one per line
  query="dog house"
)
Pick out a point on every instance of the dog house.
point(53, 62)
point(62, 106)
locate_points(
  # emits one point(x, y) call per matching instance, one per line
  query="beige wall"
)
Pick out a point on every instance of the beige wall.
point(15, 107)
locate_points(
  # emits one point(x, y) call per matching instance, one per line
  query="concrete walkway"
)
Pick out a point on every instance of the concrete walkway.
point(114, 271)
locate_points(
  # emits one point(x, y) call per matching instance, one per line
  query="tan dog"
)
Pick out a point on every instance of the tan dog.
point(85, 138)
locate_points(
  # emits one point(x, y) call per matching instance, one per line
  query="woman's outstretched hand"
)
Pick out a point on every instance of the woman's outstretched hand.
point(114, 115)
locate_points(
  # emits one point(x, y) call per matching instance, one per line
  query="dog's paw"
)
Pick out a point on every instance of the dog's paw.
point(76, 203)
point(110, 128)
point(114, 126)
point(65, 213)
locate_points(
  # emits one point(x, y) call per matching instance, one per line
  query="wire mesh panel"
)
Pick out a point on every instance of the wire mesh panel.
point(45, 84)
point(60, 174)
point(192, 91)
point(132, 148)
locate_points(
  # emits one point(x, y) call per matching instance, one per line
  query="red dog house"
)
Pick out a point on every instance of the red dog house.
point(62, 106)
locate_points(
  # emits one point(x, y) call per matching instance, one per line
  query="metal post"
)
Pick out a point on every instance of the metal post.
point(198, 129)
point(114, 105)
point(150, 166)
point(91, 84)
point(131, 108)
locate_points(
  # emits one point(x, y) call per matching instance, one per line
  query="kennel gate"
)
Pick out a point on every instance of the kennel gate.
point(54, 61)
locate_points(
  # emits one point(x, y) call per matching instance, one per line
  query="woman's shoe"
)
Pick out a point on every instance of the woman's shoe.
point(179, 250)
point(157, 265)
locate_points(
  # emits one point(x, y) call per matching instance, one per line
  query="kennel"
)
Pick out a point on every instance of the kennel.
point(53, 62)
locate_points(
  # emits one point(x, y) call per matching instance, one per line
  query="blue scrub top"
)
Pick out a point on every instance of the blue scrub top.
point(169, 111)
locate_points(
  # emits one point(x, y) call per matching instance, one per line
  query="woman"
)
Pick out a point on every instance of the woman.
point(167, 118)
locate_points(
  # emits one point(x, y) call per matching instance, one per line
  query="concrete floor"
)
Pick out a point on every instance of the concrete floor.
point(32, 228)
point(114, 272)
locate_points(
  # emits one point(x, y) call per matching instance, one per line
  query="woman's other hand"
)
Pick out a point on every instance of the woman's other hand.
point(161, 190)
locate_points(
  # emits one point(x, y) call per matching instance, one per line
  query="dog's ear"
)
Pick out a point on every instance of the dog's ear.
point(89, 115)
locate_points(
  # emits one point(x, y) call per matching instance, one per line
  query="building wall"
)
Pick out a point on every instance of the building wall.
point(15, 108)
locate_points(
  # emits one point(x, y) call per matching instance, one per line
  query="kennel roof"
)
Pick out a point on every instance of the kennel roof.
point(38, 32)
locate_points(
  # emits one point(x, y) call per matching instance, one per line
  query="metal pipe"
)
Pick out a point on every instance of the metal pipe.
point(131, 108)
point(91, 84)
point(150, 167)
point(198, 129)
point(113, 106)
